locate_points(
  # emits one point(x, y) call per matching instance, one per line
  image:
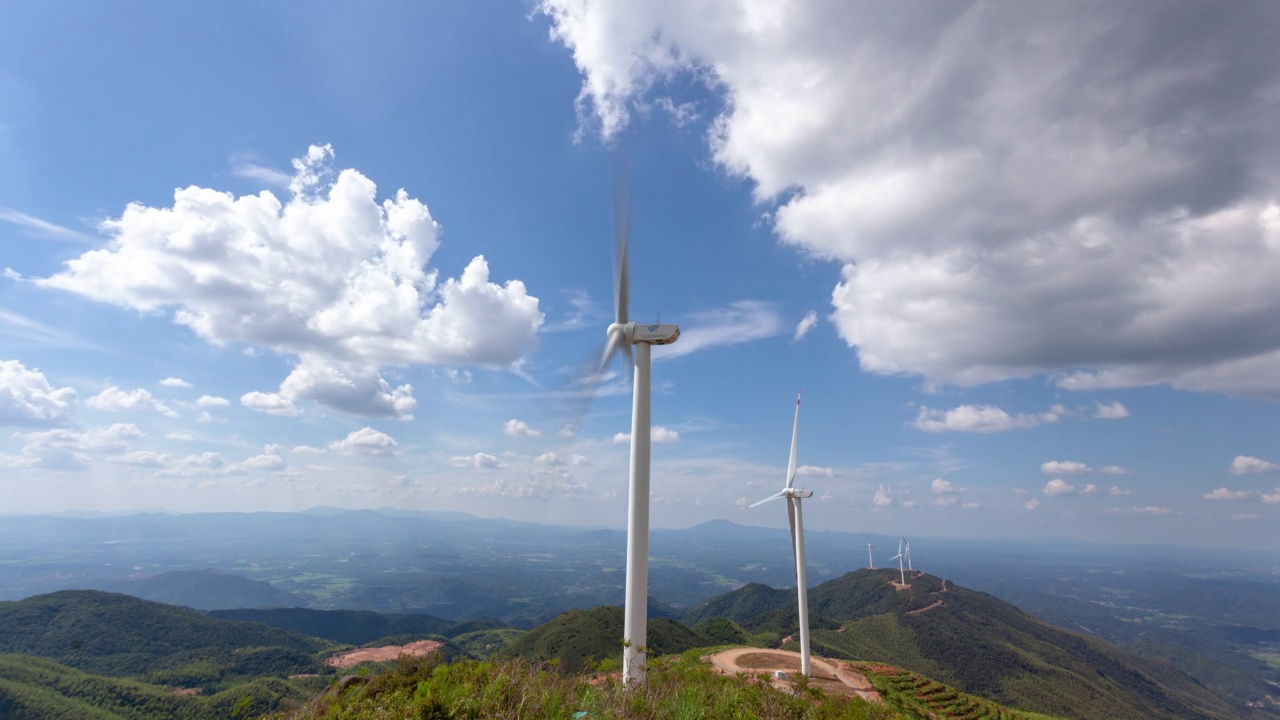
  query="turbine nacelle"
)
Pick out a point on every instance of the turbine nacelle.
point(632, 333)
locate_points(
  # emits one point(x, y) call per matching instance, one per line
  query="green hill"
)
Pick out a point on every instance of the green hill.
point(577, 637)
point(981, 645)
point(206, 590)
point(123, 636)
point(353, 627)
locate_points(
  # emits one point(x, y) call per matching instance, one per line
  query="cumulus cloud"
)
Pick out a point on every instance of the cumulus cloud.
point(173, 382)
point(1032, 504)
point(329, 275)
point(270, 403)
point(980, 419)
point(484, 461)
point(884, 497)
point(1117, 490)
point(1064, 467)
point(815, 471)
point(1245, 465)
point(365, 441)
point(519, 428)
point(548, 458)
point(63, 449)
point(807, 323)
point(1110, 411)
point(1098, 203)
point(114, 399)
point(140, 458)
point(1226, 494)
point(27, 398)
point(212, 401)
point(1058, 486)
point(1272, 498)
point(942, 486)
point(269, 459)
point(658, 434)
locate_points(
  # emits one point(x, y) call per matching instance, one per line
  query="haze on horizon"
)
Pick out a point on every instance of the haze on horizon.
point(1022, 259)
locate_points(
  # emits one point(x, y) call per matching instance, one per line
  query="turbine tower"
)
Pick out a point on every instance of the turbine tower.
point(622, 334)
point(796, 519)
point(902, 575)
point(908, 546)
point(871, 562)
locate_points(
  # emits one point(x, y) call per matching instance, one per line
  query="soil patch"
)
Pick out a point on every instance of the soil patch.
point(381, 654)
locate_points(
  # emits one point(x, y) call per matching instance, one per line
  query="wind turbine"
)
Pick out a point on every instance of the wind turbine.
point(901, 574)
point(793, 497)
point(870, 560)
point(908, 544)
point(622, 334)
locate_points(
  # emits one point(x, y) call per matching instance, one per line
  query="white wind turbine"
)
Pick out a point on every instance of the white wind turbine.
point(902, 575)
point(622, 334)
point(908, 546)
point(794, 516)
point(870, 560)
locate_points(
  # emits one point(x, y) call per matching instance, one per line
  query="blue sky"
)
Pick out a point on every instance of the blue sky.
point(1028, 286)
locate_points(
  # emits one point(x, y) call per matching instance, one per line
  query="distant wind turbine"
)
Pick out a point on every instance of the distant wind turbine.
point(622, 334)
point(870, 560)
point(901, 573)
point(794, 516)
point(908, 544)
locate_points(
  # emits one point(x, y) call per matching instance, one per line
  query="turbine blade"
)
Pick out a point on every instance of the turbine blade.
point(795, 433)
point(610, 347)
point(771, 498)
point(622, 231)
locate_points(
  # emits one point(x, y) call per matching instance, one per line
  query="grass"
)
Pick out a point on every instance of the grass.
point(927, 698)
point(680, 687)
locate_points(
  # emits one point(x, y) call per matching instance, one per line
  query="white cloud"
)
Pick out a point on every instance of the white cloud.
point(140, 458)
point(173, 382)
point(1111, 411)
point(540, 488)
point(971, 505)
point(181, 437)
point(1002, 208)
point(579, 460)
point(1117, 490)
point(1226, 494)
point(807, 323)
point(979, 419)
point(941, 486)
point(1272, 498)
point(1032, 504)
point(114, 399)
point(815, 471)
point(268, 176)
point(1090, 489)
point(1245, 465)
point(657, 434)
point(1245, 516)
point(945, 500)
point(484, 461)
point(742, 321)
point(365, 441)
point(1147, 510)
point(1065, 467)
point(212, 401)
point(1116, 470)
point(883, 497)
point(270, 403)
point(1058, 486)
point(61, 449)
point(41, 227)
point(27, 398)
point(548, 458)
point(519, 428)
point(270, 459)
point(306, 450)
point(329, 275)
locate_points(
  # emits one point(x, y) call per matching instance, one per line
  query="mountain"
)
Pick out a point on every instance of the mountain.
point(979, 644)
point(119, 635)
point(581, 637)
point(352, 627)
point(205, 590)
